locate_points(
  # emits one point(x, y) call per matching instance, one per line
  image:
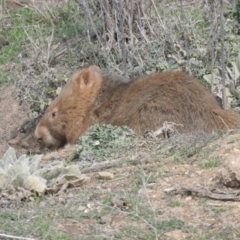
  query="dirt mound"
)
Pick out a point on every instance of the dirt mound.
point(16, 123)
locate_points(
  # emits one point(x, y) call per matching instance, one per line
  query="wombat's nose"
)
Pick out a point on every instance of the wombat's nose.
point(38, 134)
point(39, 139)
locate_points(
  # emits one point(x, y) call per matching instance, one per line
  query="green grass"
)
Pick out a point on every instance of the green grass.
point(23, 223)
point(22, 20)
point(8, 216)
point(170, 225)
point(203, 154)
point(29, 22)
point(69, 24)
point(174, 204)
point(219, 210)
point(178, 157)
point(211, 162)
point(226, 233)
point(4, 78)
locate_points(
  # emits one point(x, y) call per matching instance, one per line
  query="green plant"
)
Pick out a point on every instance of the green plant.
point(105, 141)
point(15, 32)
point(27, 173)
point(232, 79)
point(211, 162)
point(166, 226)
point(4, 78)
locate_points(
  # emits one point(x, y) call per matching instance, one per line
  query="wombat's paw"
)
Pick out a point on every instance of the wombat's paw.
point(61, 154)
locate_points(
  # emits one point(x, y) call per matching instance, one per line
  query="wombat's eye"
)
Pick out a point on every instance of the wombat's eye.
point(54, 114)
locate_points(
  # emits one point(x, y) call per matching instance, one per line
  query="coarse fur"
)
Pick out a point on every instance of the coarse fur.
point(95, 96)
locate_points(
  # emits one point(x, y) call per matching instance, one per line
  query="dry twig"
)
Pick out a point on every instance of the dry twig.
point(6, 236)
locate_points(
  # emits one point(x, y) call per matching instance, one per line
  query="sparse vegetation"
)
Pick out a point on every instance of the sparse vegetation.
point(42, 44)
point(38, 39)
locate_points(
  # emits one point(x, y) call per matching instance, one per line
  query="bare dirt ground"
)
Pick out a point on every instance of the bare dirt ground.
point(145, 200)
point(15, 123)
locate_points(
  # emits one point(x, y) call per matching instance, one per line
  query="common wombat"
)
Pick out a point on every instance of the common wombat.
point(95, 96)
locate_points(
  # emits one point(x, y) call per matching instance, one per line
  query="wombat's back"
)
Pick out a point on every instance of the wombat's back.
point(174, 97)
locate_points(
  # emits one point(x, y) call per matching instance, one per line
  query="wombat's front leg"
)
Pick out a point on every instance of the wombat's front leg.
point(67, 152)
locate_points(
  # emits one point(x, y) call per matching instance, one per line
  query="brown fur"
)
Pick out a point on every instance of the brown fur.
point(94, 96)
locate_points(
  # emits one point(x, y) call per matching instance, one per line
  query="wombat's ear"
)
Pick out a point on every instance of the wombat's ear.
point(94, 68)
point(86, 78)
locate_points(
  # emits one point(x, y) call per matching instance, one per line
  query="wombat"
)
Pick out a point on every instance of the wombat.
point(95, 96)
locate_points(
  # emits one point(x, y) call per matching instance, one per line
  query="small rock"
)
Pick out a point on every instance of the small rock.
point(188, 198)
point(230, 173)
point(105, 175)
point(42, 204)
point(62, 200)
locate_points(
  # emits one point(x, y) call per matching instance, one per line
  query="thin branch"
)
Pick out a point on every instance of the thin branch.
point(14, 237)
point(151, 206)
point(186, 41)
point(124, 53)
point(224, 98)
point(49, 43)
point(31, 40)
point(213, 40)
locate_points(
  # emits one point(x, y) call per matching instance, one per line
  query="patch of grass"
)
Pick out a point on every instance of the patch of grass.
point(233, 140)
point(226, 233)
point(135, 232)
point(7, 53)
point(203, 201)
point(174, 204)
point(211, 162)
point(203, 154)
point(178, 158)
point(170, 225)
point(38, 223)
point(183, 155)
point(62, 236)
point(219, 210)
point(21, 20)
point(68, 21)
point(4, 216)
point(34, 23)
point(4, 78)
point(141, 176)
point(167, 174)
point(105, 141)
point(156, 228)
point(191, 230)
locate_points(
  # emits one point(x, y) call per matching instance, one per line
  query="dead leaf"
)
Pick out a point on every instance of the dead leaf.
point(34, 183)
point(4, 180)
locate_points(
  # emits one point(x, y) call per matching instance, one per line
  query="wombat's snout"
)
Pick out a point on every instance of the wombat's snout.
point(45, 138)
point(39, 139)
point(38, 136)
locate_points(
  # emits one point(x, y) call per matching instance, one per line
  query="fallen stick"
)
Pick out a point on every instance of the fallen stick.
point(102, 166)
point(200, 192)
point(15, 237)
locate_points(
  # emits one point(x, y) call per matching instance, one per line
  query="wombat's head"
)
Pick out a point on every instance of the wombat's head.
point(67, 117)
